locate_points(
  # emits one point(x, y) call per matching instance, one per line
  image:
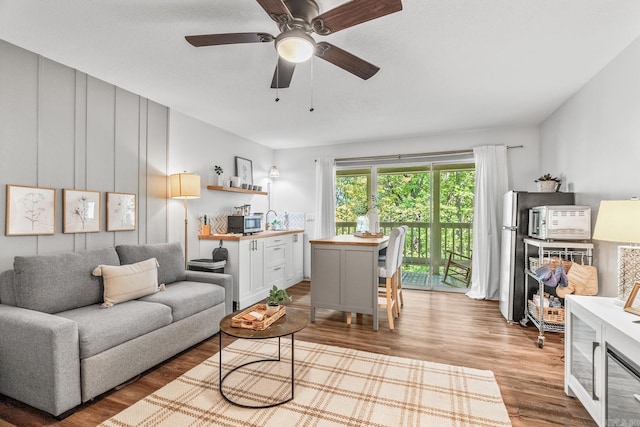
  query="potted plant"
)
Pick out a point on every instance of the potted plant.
point(275, 298)
point(548, 183)
point(219, 171)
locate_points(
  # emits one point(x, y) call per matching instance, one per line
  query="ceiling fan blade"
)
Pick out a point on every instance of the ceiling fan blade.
point(345, 60)
point(231, 38)
point(283, 74)
point(277, 10)
point(353, 13)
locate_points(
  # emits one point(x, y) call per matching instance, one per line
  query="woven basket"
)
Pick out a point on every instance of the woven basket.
point(550, 314)
point(534, 263)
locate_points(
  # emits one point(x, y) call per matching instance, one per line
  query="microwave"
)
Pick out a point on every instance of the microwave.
point(244, 224)
point(560, 222)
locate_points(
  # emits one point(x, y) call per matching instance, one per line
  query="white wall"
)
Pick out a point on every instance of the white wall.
point(196, 147)
point(294, 191)
point(593, 143)
point(63, 129)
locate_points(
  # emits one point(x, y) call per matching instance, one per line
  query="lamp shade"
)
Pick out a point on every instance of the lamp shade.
point(274, 172)
point(185, 186)
point(618, 221)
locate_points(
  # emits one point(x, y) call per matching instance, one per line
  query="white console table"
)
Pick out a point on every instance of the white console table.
point(592, 325)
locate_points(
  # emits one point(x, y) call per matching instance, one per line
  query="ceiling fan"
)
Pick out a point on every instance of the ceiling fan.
point(297, 19)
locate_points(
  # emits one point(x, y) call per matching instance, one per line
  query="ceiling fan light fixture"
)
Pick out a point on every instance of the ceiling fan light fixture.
point(295, 46)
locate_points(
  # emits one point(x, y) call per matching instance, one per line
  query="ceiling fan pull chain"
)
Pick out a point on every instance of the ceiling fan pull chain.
point(311, 109)
point(277, 78)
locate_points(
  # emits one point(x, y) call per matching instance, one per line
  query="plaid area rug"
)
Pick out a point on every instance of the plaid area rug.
point(333, 387)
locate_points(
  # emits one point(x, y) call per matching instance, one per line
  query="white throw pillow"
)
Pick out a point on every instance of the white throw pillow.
point(126, 282)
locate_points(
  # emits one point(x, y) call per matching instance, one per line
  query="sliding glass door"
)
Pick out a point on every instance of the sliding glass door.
point(434, 200)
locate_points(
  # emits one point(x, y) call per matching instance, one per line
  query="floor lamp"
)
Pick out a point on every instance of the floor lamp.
point(185, 186)
point(618, 222)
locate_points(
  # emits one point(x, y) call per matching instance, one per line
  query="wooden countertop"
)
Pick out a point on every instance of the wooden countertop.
point(350, 240)
point(261, 235)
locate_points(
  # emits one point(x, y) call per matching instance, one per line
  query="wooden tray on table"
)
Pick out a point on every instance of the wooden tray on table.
point(245, 320)
point(366, 234)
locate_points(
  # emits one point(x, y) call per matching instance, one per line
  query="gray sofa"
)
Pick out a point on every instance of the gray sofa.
point(59, 349)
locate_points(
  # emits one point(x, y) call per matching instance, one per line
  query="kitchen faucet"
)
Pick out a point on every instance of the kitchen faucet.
point(266, 217)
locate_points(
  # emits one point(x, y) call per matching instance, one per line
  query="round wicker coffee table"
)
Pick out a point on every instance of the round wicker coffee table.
point(292, 322)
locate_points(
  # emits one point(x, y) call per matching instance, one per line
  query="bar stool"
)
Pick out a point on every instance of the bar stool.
point(388, 270)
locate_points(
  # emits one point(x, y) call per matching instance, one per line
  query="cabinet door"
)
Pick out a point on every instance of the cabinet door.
point(257, 266)
point(298, 258)
point(584, 358)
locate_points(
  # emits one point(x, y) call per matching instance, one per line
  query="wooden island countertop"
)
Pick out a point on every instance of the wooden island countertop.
point(236, 237)
point(349, 239)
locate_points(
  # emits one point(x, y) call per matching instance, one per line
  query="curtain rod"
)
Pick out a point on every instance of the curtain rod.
point(416, 155)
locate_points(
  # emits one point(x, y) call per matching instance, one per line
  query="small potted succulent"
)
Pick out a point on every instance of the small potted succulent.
point(219, 171)
point(275, 298)
point(548, 183)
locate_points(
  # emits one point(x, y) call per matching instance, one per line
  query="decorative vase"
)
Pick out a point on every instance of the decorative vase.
point(219, 180)
point(548, 186)
point(362, 224)
point(374, 222)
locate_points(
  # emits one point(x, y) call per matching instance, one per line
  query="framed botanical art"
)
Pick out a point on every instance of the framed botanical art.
point(121, 211)
point(81, 212)
point(30, 210)
point(244, 169)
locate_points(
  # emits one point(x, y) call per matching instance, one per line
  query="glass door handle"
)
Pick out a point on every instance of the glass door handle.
point(594, 346)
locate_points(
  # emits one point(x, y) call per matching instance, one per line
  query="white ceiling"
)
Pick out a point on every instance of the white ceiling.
point(446, 65)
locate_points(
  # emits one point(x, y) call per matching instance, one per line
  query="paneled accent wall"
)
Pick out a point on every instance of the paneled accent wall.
point(61, 128)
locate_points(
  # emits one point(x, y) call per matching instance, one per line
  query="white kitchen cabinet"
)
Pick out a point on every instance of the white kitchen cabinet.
point(275, 254)
point(598, 332)
point(294, 259)
point(257, 263)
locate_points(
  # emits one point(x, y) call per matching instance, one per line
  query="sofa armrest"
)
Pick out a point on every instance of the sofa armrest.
point(39, 359)
point(221, 279)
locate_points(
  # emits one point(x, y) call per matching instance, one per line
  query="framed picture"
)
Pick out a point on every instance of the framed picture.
point(244, 169)
point(633, 302)
point(121, 211)
point(81, 212)
point(30, 210)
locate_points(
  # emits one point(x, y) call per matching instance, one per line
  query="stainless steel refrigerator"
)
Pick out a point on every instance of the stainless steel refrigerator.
point(515, 219)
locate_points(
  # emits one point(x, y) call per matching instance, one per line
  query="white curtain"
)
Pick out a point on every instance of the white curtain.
point(491, 184)
point(325, 198)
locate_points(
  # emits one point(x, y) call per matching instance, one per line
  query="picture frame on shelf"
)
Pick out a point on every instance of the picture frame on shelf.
point(81, 211)
point(633, 302)
point(121, 211)
point(244, 170)
point(30, 210)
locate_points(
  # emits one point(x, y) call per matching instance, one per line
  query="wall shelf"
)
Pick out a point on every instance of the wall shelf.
point(235, 190)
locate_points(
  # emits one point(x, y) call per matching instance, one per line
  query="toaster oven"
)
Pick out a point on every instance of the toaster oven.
point(560, 222)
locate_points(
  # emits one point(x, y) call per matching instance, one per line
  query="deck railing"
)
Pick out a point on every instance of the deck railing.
point(449, 236)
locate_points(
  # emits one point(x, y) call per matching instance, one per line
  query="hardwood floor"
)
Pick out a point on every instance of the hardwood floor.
point(435, 326)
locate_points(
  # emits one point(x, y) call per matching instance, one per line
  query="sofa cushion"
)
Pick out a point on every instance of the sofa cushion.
point(100, 330)
point(188, 298)
point(54, 283)
point(126, 282)
point(169, 256)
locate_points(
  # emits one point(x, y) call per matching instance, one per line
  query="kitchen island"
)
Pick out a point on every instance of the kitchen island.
point(344, 274)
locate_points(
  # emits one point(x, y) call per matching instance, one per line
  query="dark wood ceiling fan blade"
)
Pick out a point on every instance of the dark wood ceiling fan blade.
point(230, 38)
point(345, 60)
point(353, 13)
point(276, 9)
point(283, 74)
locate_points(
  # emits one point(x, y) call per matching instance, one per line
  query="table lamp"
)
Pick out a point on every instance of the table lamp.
point(185, 186)
point(619, 221)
